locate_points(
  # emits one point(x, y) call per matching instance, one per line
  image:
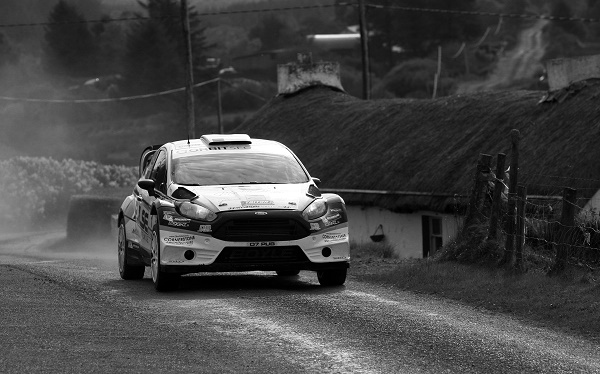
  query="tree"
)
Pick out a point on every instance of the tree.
point(69, 48)
point(514, 7)
point(416, 31)
point(273, 33)
point(8, 55)
point(155, 56)
point(561, 9)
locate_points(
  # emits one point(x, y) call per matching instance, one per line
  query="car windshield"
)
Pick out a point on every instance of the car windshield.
point(237, 168)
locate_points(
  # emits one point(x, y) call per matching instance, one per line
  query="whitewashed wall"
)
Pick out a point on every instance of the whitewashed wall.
point(402, 231)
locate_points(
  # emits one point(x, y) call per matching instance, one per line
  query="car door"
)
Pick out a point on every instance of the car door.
point(146, 200)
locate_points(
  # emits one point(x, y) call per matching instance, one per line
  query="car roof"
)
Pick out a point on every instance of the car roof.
point(224, 142)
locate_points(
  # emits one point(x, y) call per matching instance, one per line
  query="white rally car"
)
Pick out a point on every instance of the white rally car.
point(229, 203)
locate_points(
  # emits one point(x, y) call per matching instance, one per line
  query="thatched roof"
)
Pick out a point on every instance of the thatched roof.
point(433, 145)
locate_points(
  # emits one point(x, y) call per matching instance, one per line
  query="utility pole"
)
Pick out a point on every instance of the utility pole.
point(364, 44)
point(219, 107)
point(189, 86)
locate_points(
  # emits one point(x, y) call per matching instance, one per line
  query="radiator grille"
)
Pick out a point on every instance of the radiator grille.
point(261, 229)
point(261, 255)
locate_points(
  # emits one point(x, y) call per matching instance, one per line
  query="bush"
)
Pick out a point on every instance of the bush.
point(372, 250)
point(36, 189)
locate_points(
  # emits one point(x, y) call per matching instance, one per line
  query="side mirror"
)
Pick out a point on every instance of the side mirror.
point(147, 184)
point(317, 181)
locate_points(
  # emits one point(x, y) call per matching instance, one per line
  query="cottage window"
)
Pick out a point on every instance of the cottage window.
point(432, 235)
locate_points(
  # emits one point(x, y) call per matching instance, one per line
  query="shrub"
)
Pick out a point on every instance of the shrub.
point(376, 250)
point(36, 188)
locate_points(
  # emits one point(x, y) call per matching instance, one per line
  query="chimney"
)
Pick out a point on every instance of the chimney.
point(294, 77)
point(563, 72)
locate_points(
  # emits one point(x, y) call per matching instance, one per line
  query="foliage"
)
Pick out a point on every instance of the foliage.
point(417, 33)
point(372, 250)
point(274, 33)
point(36, 189)
point(412, 78)
point(8, 53)
point(69, 48)
point(471, 246)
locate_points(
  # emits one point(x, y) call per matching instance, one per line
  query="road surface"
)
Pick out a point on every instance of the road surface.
point(65, 309)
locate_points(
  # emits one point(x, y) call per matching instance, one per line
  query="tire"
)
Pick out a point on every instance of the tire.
point(287, 273)
point(334, 277)
point(162, 281)
point(126, 271)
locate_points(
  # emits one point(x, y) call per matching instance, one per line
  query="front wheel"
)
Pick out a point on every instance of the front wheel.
point(333, 277)
point(162, 281)
point(126, 271)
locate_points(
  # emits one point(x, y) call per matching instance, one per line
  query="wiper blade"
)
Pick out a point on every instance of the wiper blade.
point(253, 182)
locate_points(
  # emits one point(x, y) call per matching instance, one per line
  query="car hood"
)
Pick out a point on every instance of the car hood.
point(254, 196)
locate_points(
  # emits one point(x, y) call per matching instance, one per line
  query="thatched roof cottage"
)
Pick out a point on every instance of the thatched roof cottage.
point(415, 158)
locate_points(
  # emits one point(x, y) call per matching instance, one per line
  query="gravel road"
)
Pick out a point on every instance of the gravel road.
point(65, 309)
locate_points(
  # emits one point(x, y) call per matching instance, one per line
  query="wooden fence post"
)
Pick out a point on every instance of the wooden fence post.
point(483, 167)
point(497, 198)
point(567, 222)
point(510, 230)
point(515, 136)
point(520, 237)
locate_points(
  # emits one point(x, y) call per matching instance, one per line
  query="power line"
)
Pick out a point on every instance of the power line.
point(489, 14)
point(316, 6)
point(126, 98)
point(200, 14)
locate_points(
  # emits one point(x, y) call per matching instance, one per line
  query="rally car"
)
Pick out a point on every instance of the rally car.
point(226, 203)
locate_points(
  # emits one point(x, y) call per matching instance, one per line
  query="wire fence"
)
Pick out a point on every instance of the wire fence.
point(554, 230)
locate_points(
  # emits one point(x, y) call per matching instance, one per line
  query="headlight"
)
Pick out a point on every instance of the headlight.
point(195, 211)
point(315, 210)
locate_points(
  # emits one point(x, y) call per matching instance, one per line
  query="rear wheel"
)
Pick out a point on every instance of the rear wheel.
point(287, 273)
point(163, 281)
point(125, 270)
point(333, 277)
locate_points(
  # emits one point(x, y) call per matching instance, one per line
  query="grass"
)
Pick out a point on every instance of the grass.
point(569, 302)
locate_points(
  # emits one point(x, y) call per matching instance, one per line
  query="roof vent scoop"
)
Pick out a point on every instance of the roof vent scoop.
point(221, 139)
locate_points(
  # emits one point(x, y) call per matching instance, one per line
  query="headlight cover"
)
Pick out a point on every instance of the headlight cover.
point(197, 212)
point(315, 210)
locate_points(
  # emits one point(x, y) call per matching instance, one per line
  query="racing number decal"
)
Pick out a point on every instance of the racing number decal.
point(144, 219)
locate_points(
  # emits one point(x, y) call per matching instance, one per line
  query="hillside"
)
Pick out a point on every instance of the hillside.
point(433, 145)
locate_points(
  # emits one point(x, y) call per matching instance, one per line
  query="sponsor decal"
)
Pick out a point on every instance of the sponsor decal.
point(132, 245)
point(335, 210)
point(330, 223)
point(249, 203)
point(333, 217)
point(261, 244)
point(176, 221)
point(146, 237)
point(315, 226)
point(205, 228)
point(333, 237)
point(184, 240)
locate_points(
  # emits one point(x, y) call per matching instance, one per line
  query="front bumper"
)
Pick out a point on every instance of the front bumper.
point(186, 252)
